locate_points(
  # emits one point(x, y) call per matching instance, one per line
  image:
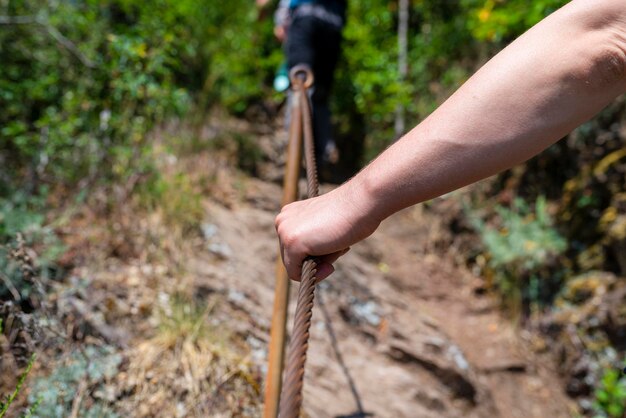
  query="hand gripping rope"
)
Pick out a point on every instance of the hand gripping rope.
point(291, 396)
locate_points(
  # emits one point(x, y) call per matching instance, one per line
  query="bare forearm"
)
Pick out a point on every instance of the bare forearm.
point(550, 80)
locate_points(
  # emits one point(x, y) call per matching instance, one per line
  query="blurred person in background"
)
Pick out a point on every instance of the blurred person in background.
point(311, 32)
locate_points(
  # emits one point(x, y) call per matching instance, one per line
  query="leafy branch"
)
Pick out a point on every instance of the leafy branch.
point(5, 404)
point(52, 32)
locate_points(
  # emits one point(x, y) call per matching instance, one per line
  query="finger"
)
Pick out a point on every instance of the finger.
point(331, 258)
point(323, 271)
point(325, 264)
point(282, 251)
point(291, 259)
point(293, 264)
point(278, 220)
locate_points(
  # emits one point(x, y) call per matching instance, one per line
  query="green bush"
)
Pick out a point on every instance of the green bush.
point(495, 21)
point(522, 248)
point(82, 82)
point(56, 393)
point(447, 41)
point(610, 397)
point(178, 199)
point(28, 246)
point(80, 86)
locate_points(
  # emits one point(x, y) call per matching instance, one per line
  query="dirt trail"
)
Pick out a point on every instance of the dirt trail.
point(400, 332)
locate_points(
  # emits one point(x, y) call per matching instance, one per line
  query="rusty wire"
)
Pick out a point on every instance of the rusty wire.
point(291, 396)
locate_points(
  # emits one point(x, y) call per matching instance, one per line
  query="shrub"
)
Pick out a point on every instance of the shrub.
point(610, 397)
point(176, 196)
point(56, 393)
point(522, 248)
point(28, 247)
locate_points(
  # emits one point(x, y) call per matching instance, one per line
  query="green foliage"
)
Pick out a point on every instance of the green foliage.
point(20, 214)
point(242, 56)
point(241, 148)
point(496, 21)
point(593, 205)
point(248, 153)
point(185, 320)
point(610, 397)
point(178, 199)
point(55, 393)
point(80, 86)
point(82, 82)
point(6, 403)
point(23, 227)
point(525, 236)
point(31, 409)
point(447, 42)
point(521, 245)
point(370, 65)
point(23, 215)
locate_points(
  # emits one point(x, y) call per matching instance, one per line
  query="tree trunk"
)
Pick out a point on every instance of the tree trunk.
point(403, 27)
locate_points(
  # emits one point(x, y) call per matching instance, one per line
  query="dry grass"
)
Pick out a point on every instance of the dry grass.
point(130, 286)
point(189, 369)
point(179, 359)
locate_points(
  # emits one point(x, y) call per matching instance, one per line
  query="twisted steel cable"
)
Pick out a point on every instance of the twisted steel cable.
point(291, 396)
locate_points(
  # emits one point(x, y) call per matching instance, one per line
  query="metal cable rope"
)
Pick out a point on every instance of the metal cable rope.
point(291, 396)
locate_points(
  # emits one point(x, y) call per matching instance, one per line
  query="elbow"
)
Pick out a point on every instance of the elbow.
point(603, 26)
point(609, 63)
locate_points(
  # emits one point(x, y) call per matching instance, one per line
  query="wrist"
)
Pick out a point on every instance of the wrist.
point(362, 197)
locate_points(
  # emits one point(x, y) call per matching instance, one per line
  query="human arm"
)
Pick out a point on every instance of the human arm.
point(550, 80)
point(281, 20)
point(281, 17)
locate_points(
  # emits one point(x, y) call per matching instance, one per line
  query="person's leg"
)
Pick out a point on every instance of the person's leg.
point(315, 43)
point(327, 46)
point(299, 50)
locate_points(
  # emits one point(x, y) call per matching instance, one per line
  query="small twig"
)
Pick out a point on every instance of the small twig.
point(82, 386)
point(17, 20)
point(52, 31)
point(12, 289)
point(69, 45)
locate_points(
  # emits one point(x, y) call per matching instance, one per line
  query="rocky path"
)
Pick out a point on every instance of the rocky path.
point(397, 331)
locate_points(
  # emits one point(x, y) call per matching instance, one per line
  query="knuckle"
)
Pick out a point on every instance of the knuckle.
point(289, 239)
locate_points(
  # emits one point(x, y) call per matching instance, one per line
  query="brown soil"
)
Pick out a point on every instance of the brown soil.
point(397, 331)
